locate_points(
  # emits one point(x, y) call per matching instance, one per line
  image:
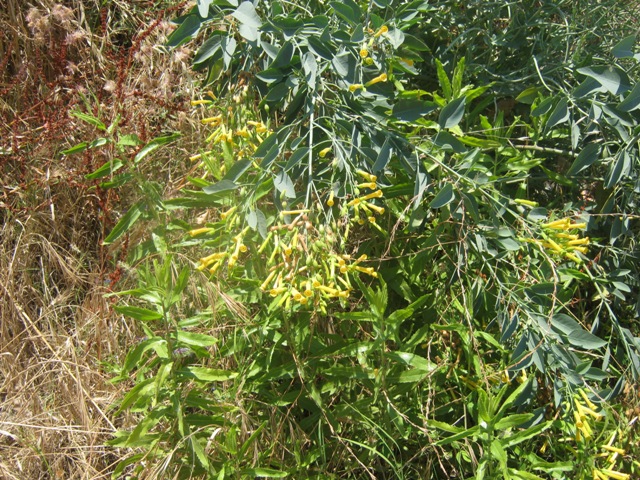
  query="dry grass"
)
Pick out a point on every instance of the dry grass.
point(58, 333)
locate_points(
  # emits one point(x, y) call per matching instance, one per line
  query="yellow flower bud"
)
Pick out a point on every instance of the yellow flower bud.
point(323, 152)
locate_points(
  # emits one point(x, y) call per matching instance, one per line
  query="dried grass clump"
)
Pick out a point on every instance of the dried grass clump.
point(58, 333)
point(54, 329)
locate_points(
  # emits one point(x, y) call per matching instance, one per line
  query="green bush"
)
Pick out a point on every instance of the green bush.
point(400, 279)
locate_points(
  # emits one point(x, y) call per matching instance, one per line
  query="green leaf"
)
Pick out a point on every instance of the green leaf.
point(203, 7)
point(209, 48)
point(528, 95)
point(383, 157)
point(458, 436)
point(80, 147)
point(543, 107)
point(589, 154)
point(411, 110)
point(513, 421)
point(524, 435)
point(126, 222)
point(138, 313)
point(247, 15)
point(107, 169)
point(206, 374)
point(187, 30)
point(196, 339)
point(620, 167)
point(237, 169)
point(282, 182)
point(451, 114)
point(448, 142)
point(135, 355)
point(263, 473)
point(277, 93)
point(344, 11)
point(444, 197)
point(559, 115)
point(631, 101)
point(90, 119)
point(153, 145)
point(221, 186)
point(443, 79)
point(612, 78)
point(583, 339)
point(444, 426)
point(624, 48)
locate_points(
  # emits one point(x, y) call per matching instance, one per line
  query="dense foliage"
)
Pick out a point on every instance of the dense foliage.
point(406, 251)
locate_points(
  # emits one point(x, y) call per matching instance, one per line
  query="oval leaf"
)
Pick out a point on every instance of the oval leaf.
point(587, 157)
point(451, 114)
point(444, 197)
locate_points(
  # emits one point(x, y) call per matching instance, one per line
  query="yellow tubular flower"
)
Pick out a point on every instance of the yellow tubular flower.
point(367, 270)
point(581, 241)
point(274, 292)
point(367, 176)
point(224, 215)
point(615, 475)
point(528, 203)
point(375, 208)
point(364, 53)
point(369, 185)
point(613, 449)
point(356, 86)
point(330, 202)
point(267, 281)
point(557, 224)
point(215, 268)
point(380, 78)
point(571, 256)
point(293, 212)
point(384, 29)
point(582, 250)
point(195, 103)
point(376, 194)
point(329, 290)
point(323, 153)
point(212, 120)
point(554, 246)
point(580, 226)
point(592, 406)
point(198, 231)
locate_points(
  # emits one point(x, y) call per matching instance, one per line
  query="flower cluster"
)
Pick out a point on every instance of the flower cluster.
point(584, 413)
point(232, 132)
point(303, 260)
point(561, 238)
point(362, 208)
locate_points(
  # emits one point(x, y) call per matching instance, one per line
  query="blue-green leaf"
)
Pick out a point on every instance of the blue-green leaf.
point(283, 184)
point(444, 197)
point(187, 30)
point(612, 78)
point(631, 101)
point(452, 113)
point(589, 154)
